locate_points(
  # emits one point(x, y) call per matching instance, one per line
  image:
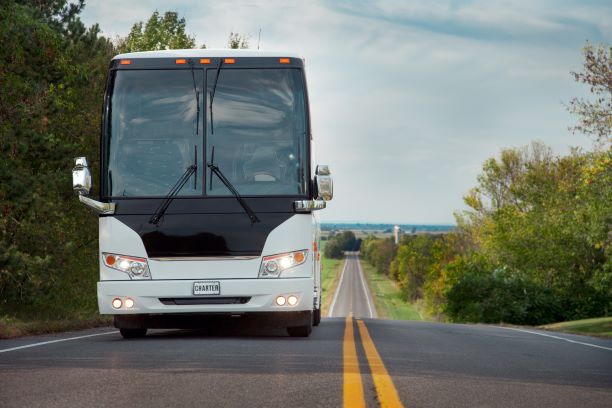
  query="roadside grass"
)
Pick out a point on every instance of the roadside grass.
point(14, 327)
point(387, 297)
point(330, 276)
point(600, 326)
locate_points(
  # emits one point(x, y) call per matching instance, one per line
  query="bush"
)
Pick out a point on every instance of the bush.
point(500, 297)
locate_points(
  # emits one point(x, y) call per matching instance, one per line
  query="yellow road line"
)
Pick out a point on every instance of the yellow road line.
point(387, 394)
point(353, 388)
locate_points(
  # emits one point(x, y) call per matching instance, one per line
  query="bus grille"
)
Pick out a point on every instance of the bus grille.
point(205, 301)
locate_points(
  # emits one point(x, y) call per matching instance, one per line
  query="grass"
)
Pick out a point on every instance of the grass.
point(387, 297)
point(330, 276)
point(600, 326)
point(14, 327)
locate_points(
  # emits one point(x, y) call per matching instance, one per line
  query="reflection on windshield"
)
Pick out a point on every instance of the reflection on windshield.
point(153, 132)
point(259, 131)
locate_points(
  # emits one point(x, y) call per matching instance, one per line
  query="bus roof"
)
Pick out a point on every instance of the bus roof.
point(207, 53)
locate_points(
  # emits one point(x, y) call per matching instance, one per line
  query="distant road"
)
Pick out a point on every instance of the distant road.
point(348, 361)
point(352, 294)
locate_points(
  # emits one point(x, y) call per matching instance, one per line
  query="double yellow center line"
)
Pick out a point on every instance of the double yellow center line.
point(353, 387)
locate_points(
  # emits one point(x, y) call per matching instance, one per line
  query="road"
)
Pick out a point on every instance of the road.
point(352, 295)
point(348, 361)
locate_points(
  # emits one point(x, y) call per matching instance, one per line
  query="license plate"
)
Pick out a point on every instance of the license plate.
point(207, 288)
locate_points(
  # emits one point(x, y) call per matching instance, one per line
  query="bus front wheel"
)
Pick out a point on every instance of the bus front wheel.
point(133, 333)
point(304, 330)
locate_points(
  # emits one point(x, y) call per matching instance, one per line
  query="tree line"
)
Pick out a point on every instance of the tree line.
point(338, 243)
point(52, 77)
point(534, 246)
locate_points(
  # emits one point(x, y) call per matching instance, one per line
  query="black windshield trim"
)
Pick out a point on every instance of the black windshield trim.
point(256, 63)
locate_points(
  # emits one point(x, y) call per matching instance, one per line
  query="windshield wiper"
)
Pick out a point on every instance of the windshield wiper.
point(163, 206)
point(215, 169)
point(212, 95)
point(197, 95)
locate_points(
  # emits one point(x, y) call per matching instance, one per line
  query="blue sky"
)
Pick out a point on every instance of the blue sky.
point(408, 98)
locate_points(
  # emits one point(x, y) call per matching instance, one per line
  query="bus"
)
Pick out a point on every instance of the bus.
point(208, 193)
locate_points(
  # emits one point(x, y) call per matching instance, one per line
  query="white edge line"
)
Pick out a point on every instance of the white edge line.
point(331, 308)
point(557, 337)
point(365, 288)
point(54, 341)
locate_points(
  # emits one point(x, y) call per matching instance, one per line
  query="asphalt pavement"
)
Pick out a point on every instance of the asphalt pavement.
point(422, 364)
point(352, 295)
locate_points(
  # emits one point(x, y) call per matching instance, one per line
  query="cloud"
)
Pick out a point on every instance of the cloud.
point(409, 98)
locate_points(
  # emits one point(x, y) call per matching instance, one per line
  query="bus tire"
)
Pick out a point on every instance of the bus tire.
point(133, 333)
point(316, 317)
point(300, 331)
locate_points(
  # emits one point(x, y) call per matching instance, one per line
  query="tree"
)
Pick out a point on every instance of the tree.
point(52, 77)
point(595, 116)
point(159, 33)
point(237, 41)
point(338, 243)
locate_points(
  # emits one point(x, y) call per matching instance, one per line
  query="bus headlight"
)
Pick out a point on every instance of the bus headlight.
point(137, 268)
point(273, 265)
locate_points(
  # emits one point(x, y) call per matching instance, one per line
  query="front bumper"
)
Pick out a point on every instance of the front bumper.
point(261, 294)
point(249, 320)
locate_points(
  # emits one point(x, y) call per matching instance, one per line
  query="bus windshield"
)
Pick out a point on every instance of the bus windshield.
point(257, 131)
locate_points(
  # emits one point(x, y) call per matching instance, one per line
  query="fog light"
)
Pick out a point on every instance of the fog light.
point(280, 300)
point(117, 303)
point(129, 303)
point(292, 300)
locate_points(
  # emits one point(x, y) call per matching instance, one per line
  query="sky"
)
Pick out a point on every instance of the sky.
point(409, 98)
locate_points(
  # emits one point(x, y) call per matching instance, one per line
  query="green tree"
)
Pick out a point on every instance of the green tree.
point(52, 76)
point(237, 41)
point(338, 243)
point(379, 253)
point(165, 32)
point(545, 220)
point(595, 116)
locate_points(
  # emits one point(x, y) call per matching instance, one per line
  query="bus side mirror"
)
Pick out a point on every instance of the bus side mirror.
point(324, 183)
point(81, 177)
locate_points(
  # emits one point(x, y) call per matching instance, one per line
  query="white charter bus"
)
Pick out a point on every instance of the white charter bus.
point(208, 192)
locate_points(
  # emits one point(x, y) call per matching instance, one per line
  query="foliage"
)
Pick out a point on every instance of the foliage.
point(553, 226)
point(482, 295)
point(165, 32)
point(595, 116)
point(534, 247)
point(237, 41)
point(338, 243)
point(52, 74)
point(379, 252)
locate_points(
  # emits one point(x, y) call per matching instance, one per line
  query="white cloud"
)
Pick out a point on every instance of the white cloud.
point(404, 109)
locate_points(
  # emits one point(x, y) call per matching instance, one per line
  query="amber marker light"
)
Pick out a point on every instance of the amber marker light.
point(298, 257)
point(229, 61)
point(181, 61)
point(284, 60)
point(125, 62)
point(204, 60)
point(110, 260)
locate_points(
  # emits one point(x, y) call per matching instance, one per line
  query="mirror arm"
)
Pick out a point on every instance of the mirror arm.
point(97, 206)
point(306, 206)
